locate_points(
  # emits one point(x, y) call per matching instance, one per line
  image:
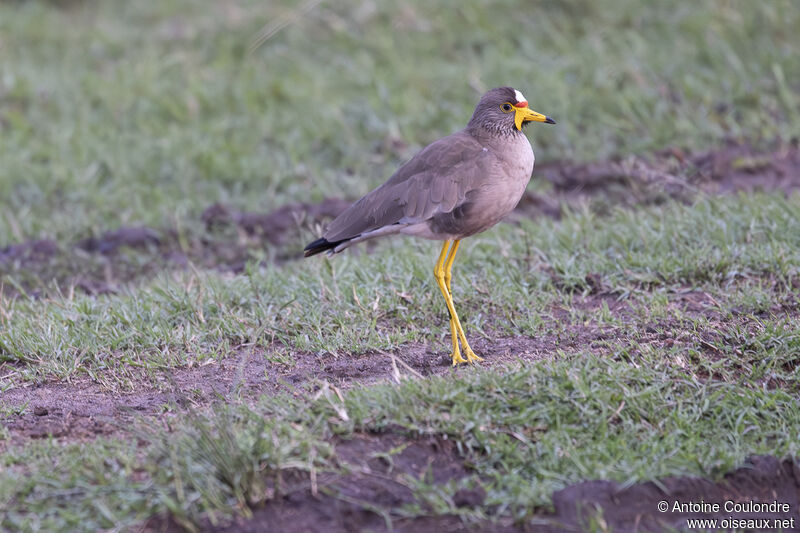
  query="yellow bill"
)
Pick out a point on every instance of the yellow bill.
point(526, 114)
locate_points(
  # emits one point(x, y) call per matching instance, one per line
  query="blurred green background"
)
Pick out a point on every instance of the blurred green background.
point(117, 112)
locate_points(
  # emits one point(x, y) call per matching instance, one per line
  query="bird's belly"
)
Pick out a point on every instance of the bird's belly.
point(497, 202)
point(482, 209)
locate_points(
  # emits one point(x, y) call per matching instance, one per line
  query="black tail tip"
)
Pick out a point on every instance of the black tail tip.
point(318, 246)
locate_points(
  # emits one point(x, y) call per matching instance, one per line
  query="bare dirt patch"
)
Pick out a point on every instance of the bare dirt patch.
point(223, 239)
point(83, 408)
point(379, 480)
point(635, 508)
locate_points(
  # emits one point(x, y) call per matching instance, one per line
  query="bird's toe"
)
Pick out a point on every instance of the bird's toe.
point(472, 357)
point(458, 359)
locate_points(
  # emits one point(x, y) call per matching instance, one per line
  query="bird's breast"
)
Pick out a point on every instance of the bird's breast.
point(499, 192)
point(505, 190)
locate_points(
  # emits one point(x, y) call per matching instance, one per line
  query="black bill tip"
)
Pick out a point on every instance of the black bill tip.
point(549, 120)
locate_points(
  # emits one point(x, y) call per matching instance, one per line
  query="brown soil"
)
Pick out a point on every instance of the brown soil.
point(222, 239)
point(634, 508)
point(84, 408)
point(375, 485)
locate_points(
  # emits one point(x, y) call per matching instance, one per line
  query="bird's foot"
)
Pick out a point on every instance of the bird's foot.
point(471, 357)
point(457, 359)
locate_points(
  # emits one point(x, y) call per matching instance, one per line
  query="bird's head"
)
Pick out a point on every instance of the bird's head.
point(505, 110)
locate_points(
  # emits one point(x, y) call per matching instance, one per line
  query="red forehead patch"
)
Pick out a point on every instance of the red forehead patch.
point(521, 104)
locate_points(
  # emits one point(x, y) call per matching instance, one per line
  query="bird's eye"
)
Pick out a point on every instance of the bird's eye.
point(506, 107)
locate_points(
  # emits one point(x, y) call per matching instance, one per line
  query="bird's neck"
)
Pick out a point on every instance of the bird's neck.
point(485, 132)
point(512, 146)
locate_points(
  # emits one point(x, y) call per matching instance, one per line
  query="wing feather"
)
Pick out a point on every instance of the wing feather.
point(434, 181)
point(437, 189)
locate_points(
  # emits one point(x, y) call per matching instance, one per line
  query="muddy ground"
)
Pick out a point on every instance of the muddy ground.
point(226, 239)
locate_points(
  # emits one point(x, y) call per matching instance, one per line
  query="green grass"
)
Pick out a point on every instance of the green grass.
point(125, 112)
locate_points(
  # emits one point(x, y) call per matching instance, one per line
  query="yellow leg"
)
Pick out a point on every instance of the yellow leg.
point(443, 278)
point(448, 275)
point(439, 274)
point(448, 265)
point(454, 338)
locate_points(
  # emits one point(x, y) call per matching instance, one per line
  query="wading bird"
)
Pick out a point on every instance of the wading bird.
point(457, 186)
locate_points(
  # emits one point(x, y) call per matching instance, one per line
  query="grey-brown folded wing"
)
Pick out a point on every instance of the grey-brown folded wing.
point(435, 181)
